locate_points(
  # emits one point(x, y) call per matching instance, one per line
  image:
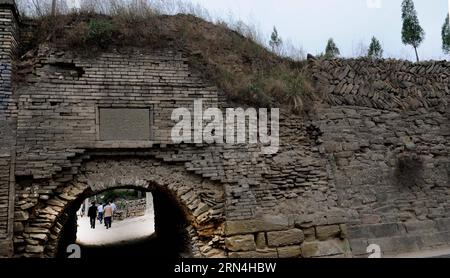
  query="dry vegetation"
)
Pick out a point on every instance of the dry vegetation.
point(229, 54)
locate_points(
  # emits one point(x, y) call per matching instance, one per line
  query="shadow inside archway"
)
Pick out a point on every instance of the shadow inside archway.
point(151, 247)
point(169, 240)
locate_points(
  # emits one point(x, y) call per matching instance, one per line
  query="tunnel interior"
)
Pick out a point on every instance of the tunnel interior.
point(169, 240)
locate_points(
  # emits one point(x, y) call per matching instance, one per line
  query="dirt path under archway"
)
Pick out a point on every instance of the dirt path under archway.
point(120, 231)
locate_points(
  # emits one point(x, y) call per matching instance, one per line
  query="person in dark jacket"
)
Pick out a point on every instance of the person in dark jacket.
point(92, 214)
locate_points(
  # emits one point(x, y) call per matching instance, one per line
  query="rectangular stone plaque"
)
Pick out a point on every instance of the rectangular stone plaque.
point(124, 124)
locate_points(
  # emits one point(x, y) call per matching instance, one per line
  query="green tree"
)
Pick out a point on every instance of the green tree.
point(375, 49)
point(446, 36)
point(412, 32)
point(331, 51)
point(275, 40)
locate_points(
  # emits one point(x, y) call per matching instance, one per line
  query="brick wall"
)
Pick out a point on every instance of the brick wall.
point(8, 50)
point(4, 195)
point(59, 107)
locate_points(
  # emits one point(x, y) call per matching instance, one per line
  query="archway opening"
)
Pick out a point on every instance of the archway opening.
point(129, 212)
point(158, 229)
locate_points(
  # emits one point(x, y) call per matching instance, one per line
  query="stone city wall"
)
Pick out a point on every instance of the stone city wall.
point(386, 134)
point(58, 132)
point(369, 166)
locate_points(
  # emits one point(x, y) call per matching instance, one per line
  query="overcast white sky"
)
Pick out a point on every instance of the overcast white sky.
point(309, 23)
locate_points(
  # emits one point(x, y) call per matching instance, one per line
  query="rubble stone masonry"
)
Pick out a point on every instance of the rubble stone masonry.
point(386, 134)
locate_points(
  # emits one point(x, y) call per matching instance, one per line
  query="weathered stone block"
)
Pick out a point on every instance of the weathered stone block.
point(420, 227)
point(332, 147)
point(359, 247)
point(370, 219)
point(266, 253)
point(34, 249)
point(335, 217)
point(240, 243)
point(354, 146)
point(42, 237)
point(308, 221)
point(269, 223)
point(376, 231)
point(289, 251)
point(261, 241)
point(21, 215)
point(324, 248)
point(398, 244)
point(435, 239)
point(282, 238)
point(56, 202)
point(34, 230)
point(443, 224)
point(310, 234)
point(344, 231)
point(326, 232)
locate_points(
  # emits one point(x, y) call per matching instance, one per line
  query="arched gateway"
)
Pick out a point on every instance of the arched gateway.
point(186, 206)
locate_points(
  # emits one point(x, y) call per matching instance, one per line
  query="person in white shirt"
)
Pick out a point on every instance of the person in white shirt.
point(100, 213)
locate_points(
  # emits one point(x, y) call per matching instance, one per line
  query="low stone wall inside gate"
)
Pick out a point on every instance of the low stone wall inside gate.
point(130, 208)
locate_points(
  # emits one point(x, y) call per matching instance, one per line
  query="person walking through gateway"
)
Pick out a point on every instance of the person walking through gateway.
point(100, 213)
point(108, 213)
point(83, 209)
point(114, 207)
point(104, 206)
point(92, 214)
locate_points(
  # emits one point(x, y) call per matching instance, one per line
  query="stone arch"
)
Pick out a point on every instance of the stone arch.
point(201, 200)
